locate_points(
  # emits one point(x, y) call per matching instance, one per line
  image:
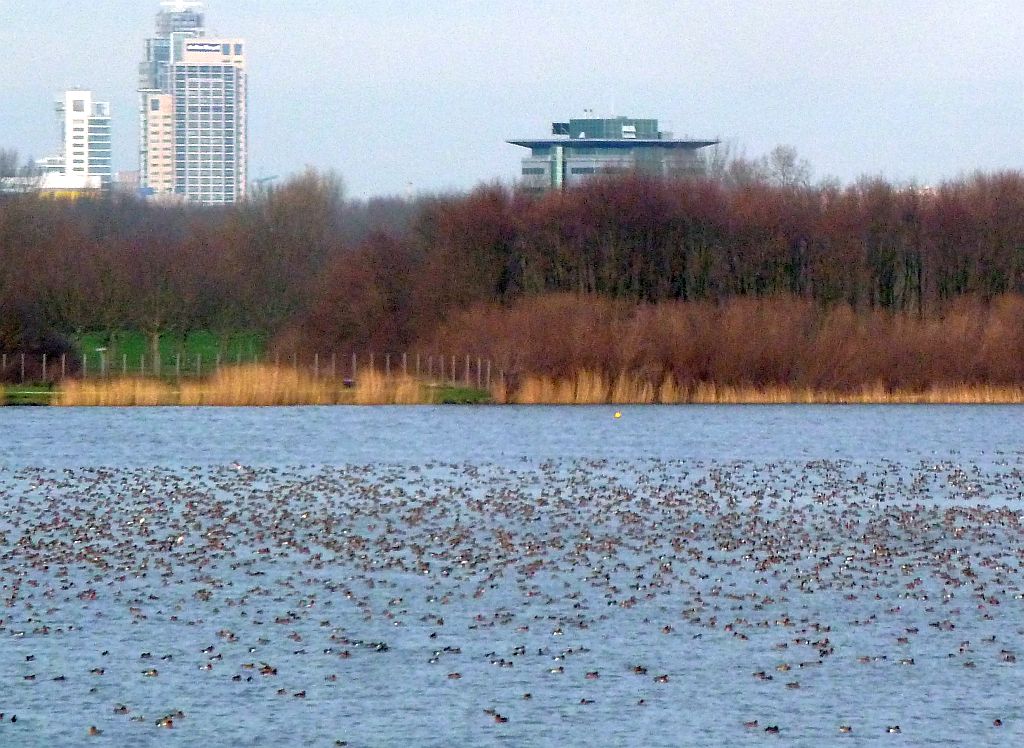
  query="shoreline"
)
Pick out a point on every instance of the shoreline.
point(244, 389)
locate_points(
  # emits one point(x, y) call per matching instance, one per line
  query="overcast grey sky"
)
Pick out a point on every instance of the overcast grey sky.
point(400, 95)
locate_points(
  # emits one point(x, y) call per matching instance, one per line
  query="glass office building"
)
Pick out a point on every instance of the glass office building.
point(583, 148)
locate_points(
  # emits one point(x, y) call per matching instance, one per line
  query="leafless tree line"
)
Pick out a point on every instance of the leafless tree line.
point(314, 271)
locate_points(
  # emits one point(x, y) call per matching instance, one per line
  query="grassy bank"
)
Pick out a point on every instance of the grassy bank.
point(35, 394)
point(132, 350)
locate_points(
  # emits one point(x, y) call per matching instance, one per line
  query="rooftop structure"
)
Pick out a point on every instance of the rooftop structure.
point(582, 148)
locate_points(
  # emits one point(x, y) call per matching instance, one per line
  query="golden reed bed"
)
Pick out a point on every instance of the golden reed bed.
point(246, 385)
point(590, 388)
point(268, 385)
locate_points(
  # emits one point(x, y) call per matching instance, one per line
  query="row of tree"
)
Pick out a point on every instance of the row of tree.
point(311, 270)
point(872, 245)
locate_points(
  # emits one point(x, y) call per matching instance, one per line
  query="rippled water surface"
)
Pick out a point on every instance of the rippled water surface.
point(511, 576)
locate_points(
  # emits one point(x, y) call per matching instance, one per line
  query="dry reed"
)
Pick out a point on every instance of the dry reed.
point(762, 343)
point(634, 389)
point(114, 392)
point(248, 385)
point(268, 385)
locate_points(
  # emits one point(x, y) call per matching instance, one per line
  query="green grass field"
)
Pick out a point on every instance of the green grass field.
point(126, 349)
point(454, 395)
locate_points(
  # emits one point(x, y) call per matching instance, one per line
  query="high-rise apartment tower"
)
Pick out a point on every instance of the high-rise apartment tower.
point(192, 106)
point(84, 159)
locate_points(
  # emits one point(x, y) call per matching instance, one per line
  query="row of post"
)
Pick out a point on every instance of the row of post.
point(465, 370)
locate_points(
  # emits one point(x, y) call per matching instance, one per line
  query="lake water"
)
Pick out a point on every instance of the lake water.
point(512, 576)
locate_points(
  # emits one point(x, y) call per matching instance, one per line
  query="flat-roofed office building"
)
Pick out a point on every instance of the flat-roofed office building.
point(583, 148)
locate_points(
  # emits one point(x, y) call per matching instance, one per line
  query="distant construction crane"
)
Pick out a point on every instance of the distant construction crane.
point(261, 185)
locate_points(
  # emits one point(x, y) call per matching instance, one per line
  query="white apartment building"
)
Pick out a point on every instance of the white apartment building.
point(85, 158)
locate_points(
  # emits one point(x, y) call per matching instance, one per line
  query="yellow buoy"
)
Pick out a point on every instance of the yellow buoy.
point(618, 414)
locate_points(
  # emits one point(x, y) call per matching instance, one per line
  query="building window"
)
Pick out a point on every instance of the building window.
point(584, 170)
point(154, 105)
point(78, 105)
point(238, 49)
point(532, 170)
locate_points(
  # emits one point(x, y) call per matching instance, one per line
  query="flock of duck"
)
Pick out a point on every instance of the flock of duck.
point(653, 602)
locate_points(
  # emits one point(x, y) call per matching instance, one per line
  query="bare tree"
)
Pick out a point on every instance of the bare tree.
point(785, 168)
point(8, 169)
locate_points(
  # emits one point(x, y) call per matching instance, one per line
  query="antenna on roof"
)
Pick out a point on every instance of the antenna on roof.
point(180, 6)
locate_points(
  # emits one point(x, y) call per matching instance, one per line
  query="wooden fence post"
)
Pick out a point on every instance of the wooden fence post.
point(23, 368)
point(316, 366)
point(199, 364)
point(63, 365)
point(124, 364)
point(405, 364)
point(488, 374)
